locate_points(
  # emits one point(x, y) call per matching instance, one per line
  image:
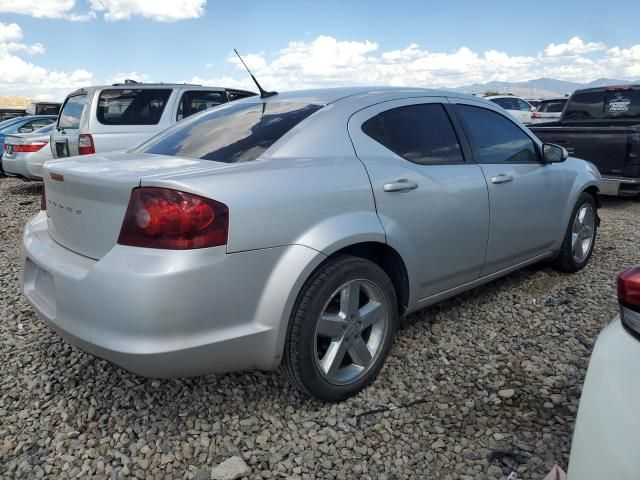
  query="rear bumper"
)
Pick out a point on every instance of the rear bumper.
point(607, 431)
point(620, 186)
point(27, 167)
point(165, 313)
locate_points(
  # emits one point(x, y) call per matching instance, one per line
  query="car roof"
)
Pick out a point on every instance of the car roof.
point(612, 88)
point(146, 86)
point(490, 97)
point(325, 96)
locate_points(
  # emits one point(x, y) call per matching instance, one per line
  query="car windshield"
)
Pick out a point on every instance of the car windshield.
point(46, 129)
point(9, 123)
point(234, 132)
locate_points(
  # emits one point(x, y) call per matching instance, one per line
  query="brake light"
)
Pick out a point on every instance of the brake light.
point(619, 88)
point(629, 298)
point(173, 220)
point(28, 147)
point(43, 199)
point(85, 144)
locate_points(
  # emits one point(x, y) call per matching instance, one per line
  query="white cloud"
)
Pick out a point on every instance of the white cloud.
point(21, 77)
point(159, 10)
point(327, 61)
point(38, 8)
point(575, 46)
point(121, 77)
point(112, 10)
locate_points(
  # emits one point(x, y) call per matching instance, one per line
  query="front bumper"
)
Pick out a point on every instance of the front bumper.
point(607, 431)
point(165, 313)
point(620, 186)
point(28, 167)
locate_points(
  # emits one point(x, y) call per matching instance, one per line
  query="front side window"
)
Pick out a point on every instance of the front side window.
point(422, 134)
point(496, 138)
point(523, 106)
point(235, 132)
point(72, 111)
point(198, 101)
point(124, 106)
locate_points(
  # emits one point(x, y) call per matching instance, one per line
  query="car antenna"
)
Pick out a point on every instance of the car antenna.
point(263, 92)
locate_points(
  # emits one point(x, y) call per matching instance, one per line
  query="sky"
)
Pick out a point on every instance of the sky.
point(51, 47)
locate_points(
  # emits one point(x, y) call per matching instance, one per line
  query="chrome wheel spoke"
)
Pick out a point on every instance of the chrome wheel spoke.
point(331, 326)
point(350, 299)
point(370, 313)
point(582, 233)
point(359, 352)
point(333, 358)
point(349, 337)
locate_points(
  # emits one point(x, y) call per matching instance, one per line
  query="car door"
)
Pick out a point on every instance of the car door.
point(432, 201)
point(526, 196)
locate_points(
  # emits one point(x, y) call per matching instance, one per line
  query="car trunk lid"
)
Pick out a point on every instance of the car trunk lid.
point(87, 197)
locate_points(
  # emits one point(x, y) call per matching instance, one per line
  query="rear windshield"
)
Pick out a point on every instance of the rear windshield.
point(552, 106)
point(72, 111)
point(234, 132)
point(132, 106)
point(622, 104)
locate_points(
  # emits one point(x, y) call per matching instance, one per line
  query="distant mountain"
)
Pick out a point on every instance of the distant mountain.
point(14, 102)
point(540, 87)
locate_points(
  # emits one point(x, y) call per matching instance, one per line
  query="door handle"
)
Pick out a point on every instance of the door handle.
point(502, 178)
point(400, 185)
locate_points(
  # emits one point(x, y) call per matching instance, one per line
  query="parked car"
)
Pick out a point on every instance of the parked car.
point(122, 116)
point(602, 125)
point(607, 428)
point(26, 124)
point(548, 110)
point(518, 107)
point(43, 108)
point(24, 154)
point(9, 113)
point(294, 230)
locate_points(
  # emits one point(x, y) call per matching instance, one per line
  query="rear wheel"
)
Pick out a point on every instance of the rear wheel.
point(580, 237)
point(341, 329)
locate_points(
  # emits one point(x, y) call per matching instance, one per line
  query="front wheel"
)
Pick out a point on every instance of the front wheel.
point(341, 329)
point(580, 237)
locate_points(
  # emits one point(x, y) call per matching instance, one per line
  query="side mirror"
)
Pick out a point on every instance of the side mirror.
point(552, 153)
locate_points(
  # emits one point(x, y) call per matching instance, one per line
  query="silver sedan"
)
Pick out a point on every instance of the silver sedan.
point(294, 231)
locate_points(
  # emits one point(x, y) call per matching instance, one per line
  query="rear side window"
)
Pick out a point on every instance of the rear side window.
point(601, 105)
point(496, 138)
point(506, 103)
point(422, 134)
point(198, 101)
point(552, 106)
point(522, 105)
point(72, 111)
point(235, 132)
point(132, 106)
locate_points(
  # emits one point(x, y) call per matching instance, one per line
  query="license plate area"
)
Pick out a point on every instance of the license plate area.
point(39, 288)
point(609, 187)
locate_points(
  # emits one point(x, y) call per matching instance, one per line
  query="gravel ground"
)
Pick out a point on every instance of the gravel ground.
point(475, 387)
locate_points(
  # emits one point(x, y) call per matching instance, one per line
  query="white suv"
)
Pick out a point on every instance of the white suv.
point(122, 116)
point(519, 108)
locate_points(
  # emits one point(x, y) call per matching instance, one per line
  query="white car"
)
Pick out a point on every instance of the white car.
point(124, 115)
point(607, 431)
point(549, 110)
point(519, 108)
point(24, 154)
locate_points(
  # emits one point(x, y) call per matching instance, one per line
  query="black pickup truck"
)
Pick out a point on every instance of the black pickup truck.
point(602, 125)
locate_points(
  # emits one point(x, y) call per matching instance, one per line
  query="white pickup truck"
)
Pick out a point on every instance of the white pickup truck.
point(123, 116)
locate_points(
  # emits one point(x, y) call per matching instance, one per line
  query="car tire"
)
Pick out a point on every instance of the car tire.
point(574, 256)
point(332, 328)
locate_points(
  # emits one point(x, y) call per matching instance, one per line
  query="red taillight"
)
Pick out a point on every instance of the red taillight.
point(619, 88)
point(174, 220)
point(629, 287)
point(28, 147)
point(85, 144)
point(43, 199)
point(629, 298)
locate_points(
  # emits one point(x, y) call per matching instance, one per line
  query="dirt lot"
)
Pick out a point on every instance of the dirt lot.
point(475, 387)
